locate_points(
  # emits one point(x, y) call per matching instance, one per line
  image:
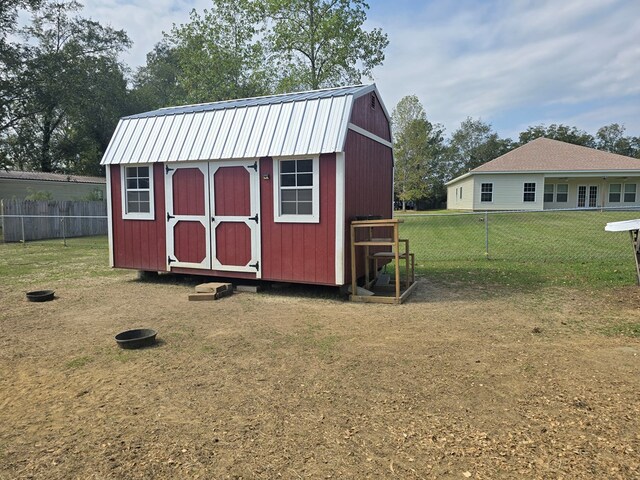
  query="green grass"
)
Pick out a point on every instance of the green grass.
point(624, 329)
point(49, 260)
point(524, 249)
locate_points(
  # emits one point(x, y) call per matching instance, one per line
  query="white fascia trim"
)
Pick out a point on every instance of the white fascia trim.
point(109, 216)
point(340, 218)
point(370, 135)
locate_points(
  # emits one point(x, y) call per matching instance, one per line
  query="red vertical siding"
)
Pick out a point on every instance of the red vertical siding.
point(188, 192)
point(139, 244)
point(299, 252)
point(232, 190)
point(368, 186)
point(373, 120)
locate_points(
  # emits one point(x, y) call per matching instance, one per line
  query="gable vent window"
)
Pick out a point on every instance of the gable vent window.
point(373, 101)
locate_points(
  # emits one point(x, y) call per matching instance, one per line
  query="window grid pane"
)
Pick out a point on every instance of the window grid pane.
point(137, 190)
point(293, 175)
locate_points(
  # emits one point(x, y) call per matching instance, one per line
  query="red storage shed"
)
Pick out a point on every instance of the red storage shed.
point(260, 188)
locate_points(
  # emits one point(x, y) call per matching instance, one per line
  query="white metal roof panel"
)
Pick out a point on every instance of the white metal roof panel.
point(304, 123)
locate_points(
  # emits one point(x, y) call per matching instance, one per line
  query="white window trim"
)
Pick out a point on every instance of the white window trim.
point(492, 192)
point(535, 191)
point(624, 193)
point(621, 193)
point(123, 193)
point(315, 193)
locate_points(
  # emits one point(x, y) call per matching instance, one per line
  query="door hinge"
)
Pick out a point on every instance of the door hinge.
point(169, 260)
point(256, 266)
point(254, 166)
point(168, 169)
point(169, 217)
point(255, 218)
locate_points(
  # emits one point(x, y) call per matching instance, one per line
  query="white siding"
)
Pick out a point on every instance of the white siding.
point(508, 191)
point(454, 202)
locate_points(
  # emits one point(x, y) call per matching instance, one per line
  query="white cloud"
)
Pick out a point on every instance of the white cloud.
point(536, 61)
point(476, 62)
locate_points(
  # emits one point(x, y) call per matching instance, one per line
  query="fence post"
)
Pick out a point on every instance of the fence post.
point(486, 234)
point(64, 235)
point(24, 241)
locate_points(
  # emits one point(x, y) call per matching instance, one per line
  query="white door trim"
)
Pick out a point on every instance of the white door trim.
point(253, 221)
point(172, 219)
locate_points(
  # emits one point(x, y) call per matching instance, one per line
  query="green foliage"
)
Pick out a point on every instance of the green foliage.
point(38, 195)
point(473, 144)
point(564, 133)
point(611, 138)
point(322, 43)
point(218, 54)
point(75, 84)
point(418, 150)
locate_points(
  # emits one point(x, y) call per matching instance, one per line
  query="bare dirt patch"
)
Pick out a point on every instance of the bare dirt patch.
point(460, 382)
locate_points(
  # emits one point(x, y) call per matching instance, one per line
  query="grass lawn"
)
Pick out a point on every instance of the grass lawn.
point(525, 249)
point(23, 265)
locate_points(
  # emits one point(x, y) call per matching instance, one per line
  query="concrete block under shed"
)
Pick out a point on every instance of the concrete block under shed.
point(248, 288)
point(194, 297)
point(213, 287)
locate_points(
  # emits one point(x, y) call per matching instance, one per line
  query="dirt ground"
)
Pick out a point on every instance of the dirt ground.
point(460, 382)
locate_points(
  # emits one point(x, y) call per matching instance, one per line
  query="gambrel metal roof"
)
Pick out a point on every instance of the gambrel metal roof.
point(306, 123)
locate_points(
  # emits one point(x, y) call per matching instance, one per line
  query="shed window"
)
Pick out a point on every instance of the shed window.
point(529, 192)
point(297, 195)
point(548, 192)
point(562, 193)
point(486, 192)
point(137, 192)
point(630, 192)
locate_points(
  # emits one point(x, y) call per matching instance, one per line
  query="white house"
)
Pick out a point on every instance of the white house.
point(548, 174)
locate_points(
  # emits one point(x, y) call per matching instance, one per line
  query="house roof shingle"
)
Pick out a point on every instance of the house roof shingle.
point(546, 155)
point(49, 177)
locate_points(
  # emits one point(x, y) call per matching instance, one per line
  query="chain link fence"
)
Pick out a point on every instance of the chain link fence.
point(542, 236)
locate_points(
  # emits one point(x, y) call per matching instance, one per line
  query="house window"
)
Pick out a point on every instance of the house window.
point(615, 191)
point(529, 192)
point(486, 192)
point(460, 193)
point(562, 193)
point(548, 192)
point(137, 192)
point(297, 195)
point(630, 192)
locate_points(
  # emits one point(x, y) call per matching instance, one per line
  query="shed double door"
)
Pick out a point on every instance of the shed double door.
point(213, 220)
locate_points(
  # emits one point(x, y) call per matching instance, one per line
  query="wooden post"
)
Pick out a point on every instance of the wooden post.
point(636, 252)
point(354, 281)
point(397, 258)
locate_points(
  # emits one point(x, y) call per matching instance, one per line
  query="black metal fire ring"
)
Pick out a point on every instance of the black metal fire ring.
point(40, 295)
point(137, 338)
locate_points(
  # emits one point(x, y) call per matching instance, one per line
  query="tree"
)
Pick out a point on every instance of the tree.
point(215, 56)
point(418, 147)
point(563, 133)
point(612, 139)
point(14, 85)
point(322, 43)
point(156, 84)
point(473, 144)
point(68, 62)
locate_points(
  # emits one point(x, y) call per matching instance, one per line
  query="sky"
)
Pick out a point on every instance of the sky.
point(511, 63)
